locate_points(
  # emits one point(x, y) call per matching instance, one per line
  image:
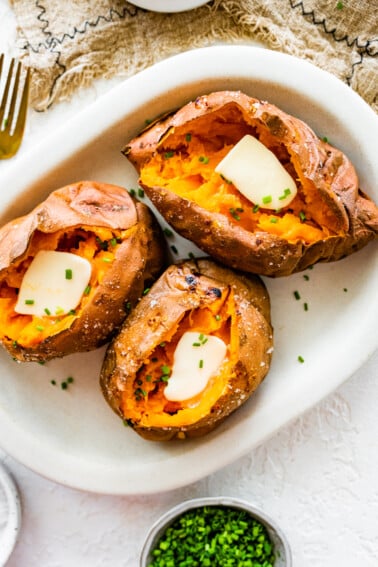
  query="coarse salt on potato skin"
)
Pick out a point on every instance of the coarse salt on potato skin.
point(199, 296)
point(117, 234)
point(329, 218)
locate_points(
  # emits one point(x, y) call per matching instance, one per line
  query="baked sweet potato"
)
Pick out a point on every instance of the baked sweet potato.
point(121, 243)
point(177, 157)
point(199, 301)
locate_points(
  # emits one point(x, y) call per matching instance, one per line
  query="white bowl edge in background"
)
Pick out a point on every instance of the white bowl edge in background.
point(168, 5)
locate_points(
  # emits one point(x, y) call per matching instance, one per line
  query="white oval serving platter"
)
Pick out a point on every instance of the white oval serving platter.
point(72, 436)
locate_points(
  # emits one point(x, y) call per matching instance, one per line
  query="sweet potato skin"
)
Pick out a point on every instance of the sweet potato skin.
point(319, 165)
point(139, 258)
point(169, 298)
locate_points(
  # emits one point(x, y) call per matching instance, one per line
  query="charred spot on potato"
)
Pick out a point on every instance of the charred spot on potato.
point(191, 280)
point(214, 291)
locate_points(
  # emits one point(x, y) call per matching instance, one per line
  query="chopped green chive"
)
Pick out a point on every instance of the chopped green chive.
point(113, 242)
point(148, 121)
point(302, 216)
point(165, 369)
point(325, 139)
point(306, 277)
point(188, 137)
point(163, 344)
point(234, 214)
point(87, 290)
point(174, 249)
point(200, 364)
point(203, 159)
point(39, 328)
point(196, 344)
point(64, 385)
point(132, 192)
point(228, 181)
point(53, 382)
point(345, 289)
point(68, 274)
point(164, 378)
point(274, 220)
point(103, 245)
point(14, 344)
point(139, 393)
point(29, 301)
point(70, 380)
point(296, 295)
point(146, 290)
point(148, 378)
point(168, 232)
point(255, 208)
point(168, 155)
point(47, 311)
point(59, 311)
point(339, 6)
point(217, 317)
point(214, 535)
point(107, 260)
point(285, 194)
point(305, 306)
point(191, 256)
point(267, 199)
point(300, 359)
point(140, 193)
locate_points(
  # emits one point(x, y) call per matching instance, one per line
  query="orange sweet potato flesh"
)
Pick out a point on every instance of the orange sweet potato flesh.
point(198, 296)
point(101, 223)
point(176, 157)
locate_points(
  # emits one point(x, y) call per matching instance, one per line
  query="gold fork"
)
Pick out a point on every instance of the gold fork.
point(12, 112)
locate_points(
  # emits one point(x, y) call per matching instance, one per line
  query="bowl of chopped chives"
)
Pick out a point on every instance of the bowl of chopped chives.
point(215, 531)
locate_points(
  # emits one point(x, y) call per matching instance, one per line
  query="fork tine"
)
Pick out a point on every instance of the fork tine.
point(15, 88)
point(21, 118)
point(6, 91)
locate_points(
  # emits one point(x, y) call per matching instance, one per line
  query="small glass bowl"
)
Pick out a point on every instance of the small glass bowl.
point(280, 543)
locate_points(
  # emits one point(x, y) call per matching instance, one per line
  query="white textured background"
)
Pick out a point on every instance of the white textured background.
point(318, 477)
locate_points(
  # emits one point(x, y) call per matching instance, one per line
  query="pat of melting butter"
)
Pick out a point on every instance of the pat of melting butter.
point(53, 284)
point(197, 358)
point(258, 174)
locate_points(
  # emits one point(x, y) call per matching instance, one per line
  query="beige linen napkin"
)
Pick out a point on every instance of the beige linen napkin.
point(69, 43)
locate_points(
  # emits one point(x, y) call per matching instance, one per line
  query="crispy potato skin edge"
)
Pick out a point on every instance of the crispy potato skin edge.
point(173, 297)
